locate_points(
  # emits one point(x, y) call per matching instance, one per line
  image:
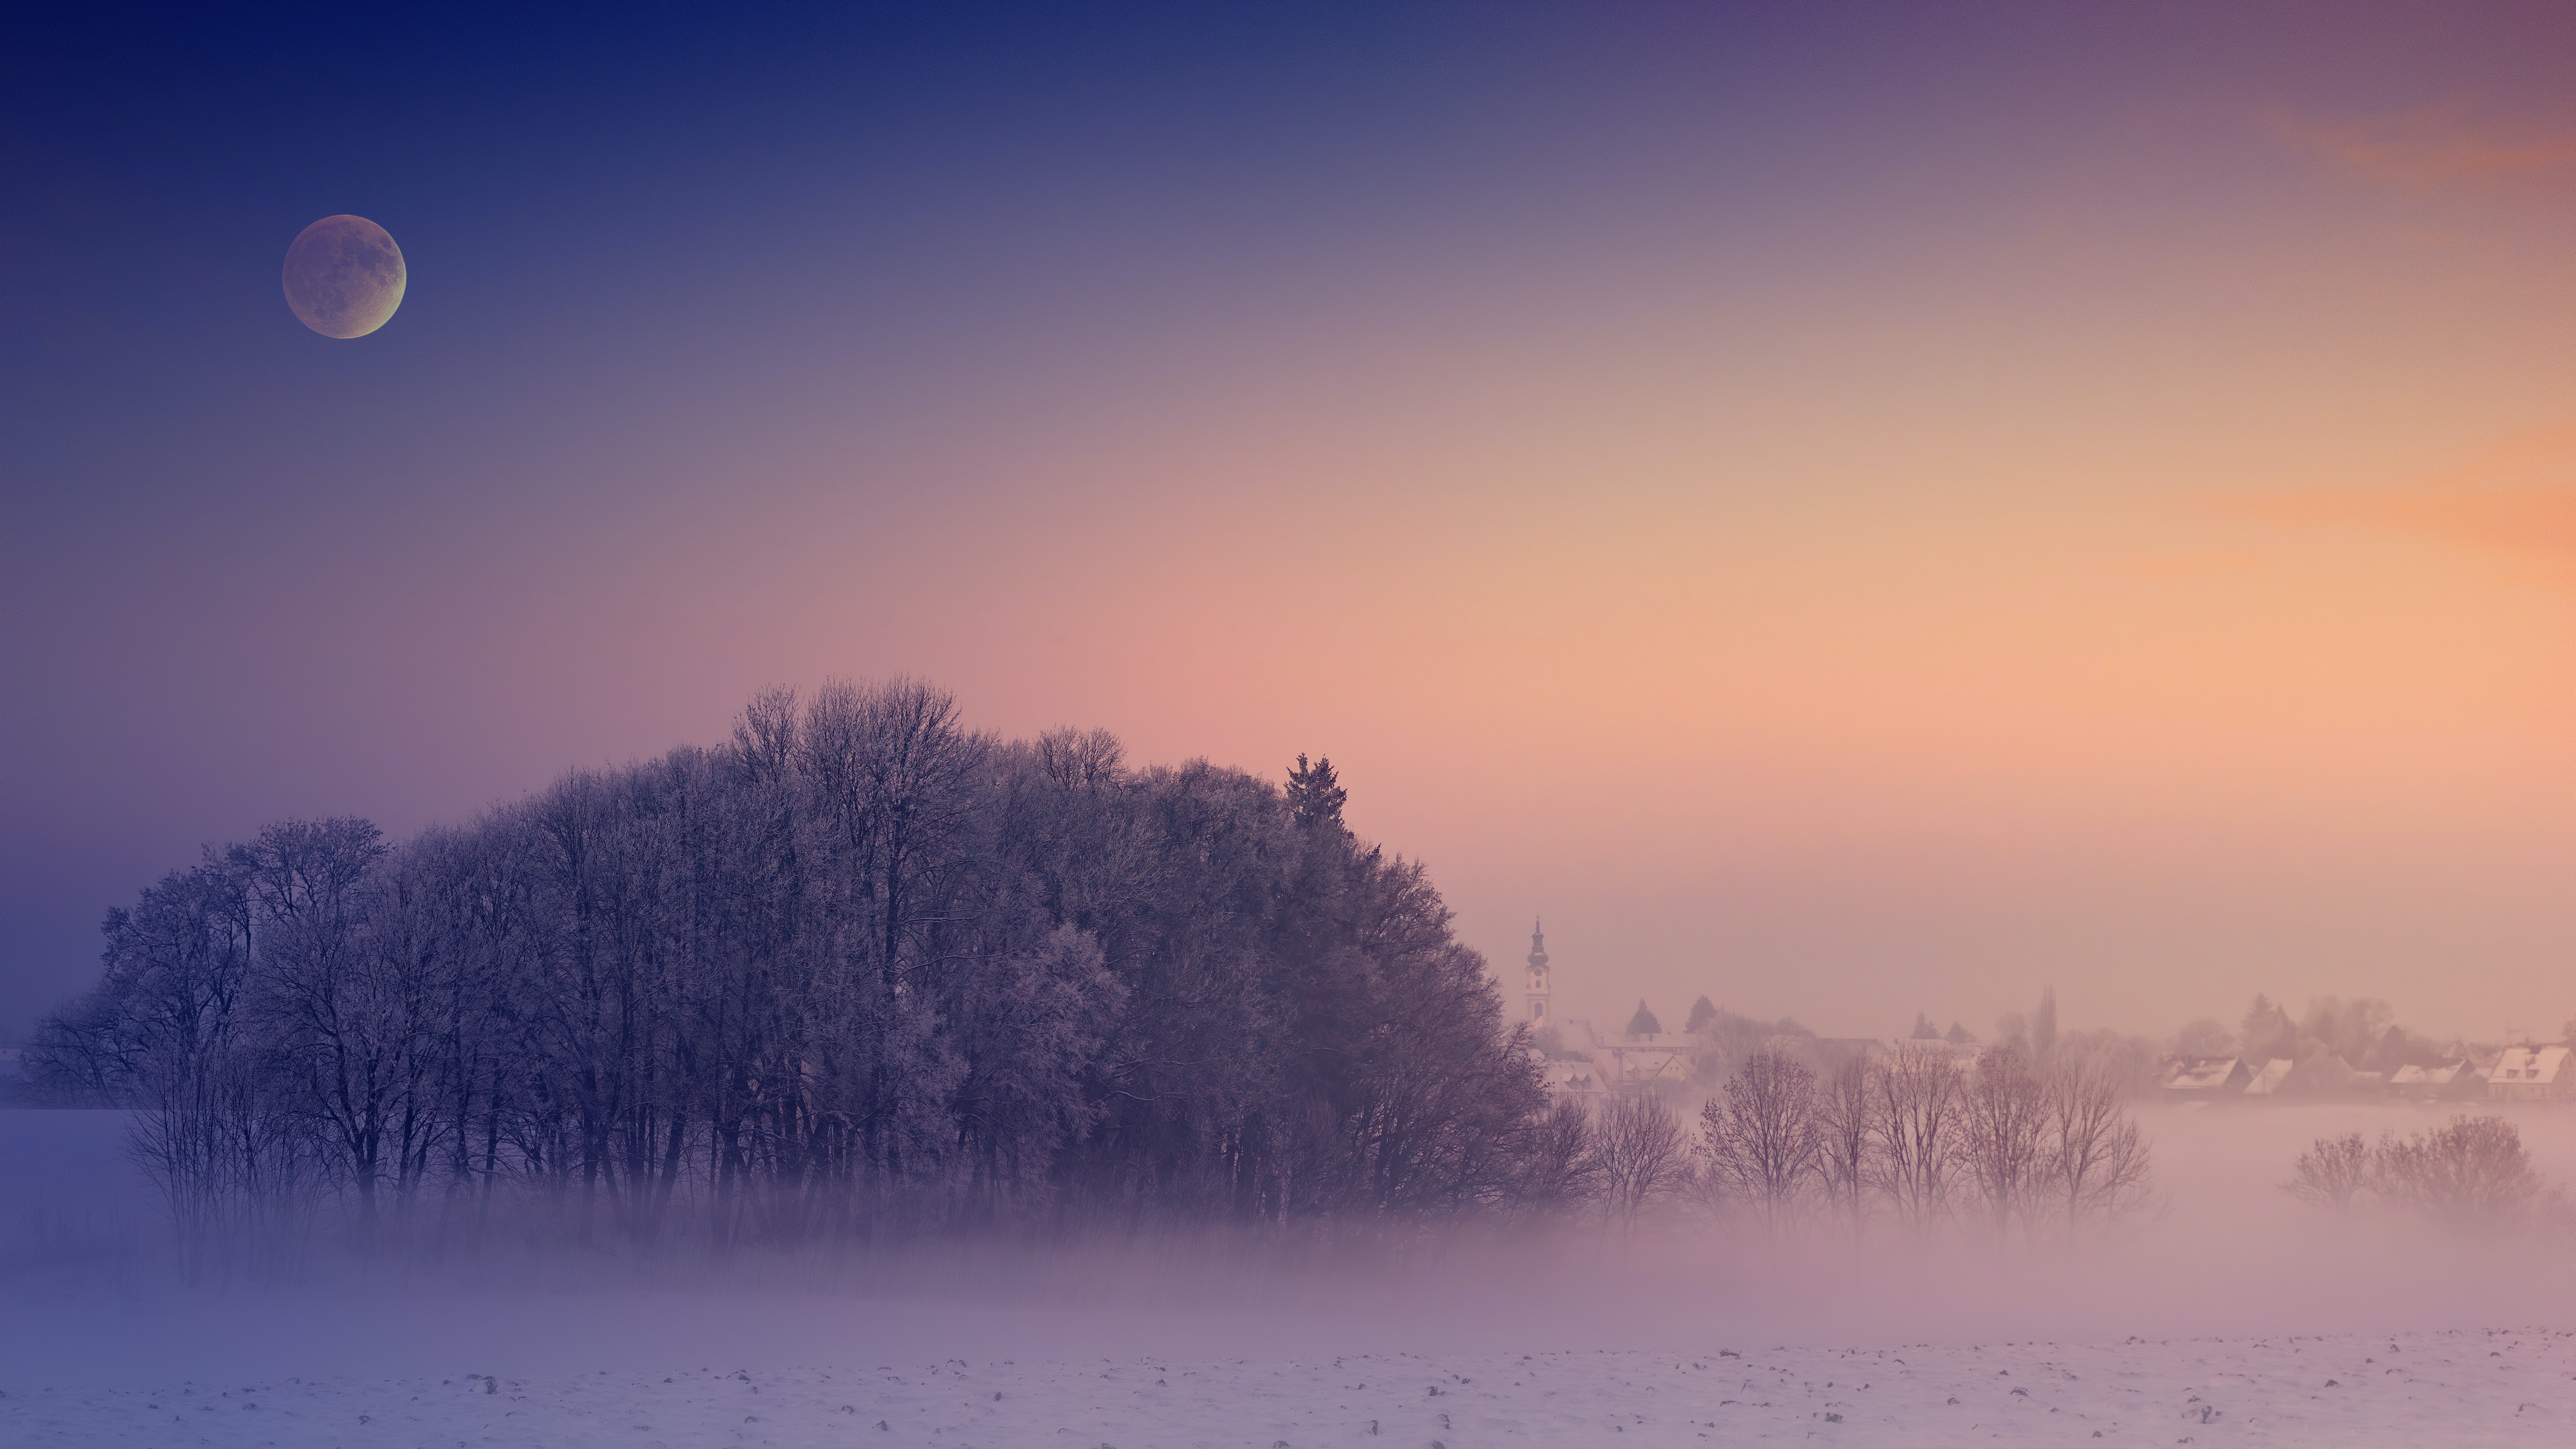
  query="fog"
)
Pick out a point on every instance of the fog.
point(90, 1298)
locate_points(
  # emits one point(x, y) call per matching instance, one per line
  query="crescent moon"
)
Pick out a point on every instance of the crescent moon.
point(344, 276)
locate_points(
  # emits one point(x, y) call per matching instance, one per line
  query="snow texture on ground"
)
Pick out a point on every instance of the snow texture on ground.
point(2434, 1388)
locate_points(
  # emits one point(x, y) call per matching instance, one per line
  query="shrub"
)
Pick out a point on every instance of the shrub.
point(2470, 1173)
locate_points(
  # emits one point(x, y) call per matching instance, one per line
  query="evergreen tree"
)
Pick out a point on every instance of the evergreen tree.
point(1924, 1030)
point(1702, 1012)
point(1960, 1036)
point(2269, 1032)
point(1315, 796)
point(1643, 1023)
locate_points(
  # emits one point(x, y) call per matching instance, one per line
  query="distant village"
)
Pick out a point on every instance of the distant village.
point(2338, 1050)
point(2521, 1073)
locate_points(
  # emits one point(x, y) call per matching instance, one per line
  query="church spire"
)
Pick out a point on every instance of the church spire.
point(1538, 992)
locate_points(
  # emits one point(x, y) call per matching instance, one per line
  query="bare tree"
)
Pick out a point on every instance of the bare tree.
point(1916, 1130)
point(1558, 1170)
point(1639, 1157)
point(2332, 1174)
point(170, 1034)
point(2471, 1174)
point(1025, 1033)
point(857, 968)
point(2003, 1123)
point(1762, 1137)
point(1847, 1105)
point(2094, 1162)
point(339, 1000)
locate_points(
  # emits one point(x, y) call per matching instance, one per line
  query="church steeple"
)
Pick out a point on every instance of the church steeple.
point(1538, 992)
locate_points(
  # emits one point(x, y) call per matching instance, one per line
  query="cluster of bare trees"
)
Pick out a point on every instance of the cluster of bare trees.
point(2471, 1174)
point(858, 969)
point(1913, 1139)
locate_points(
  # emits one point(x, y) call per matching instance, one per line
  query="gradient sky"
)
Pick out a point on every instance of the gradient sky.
point(1852, 512)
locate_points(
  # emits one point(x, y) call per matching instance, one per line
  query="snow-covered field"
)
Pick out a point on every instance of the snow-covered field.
point(2234, 1319)
point(2455, 1388)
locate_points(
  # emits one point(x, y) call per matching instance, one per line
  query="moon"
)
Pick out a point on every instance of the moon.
point(344, 276)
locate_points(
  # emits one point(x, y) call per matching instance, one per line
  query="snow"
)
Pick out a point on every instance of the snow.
point(2234, 1319)
point(2457, 1388)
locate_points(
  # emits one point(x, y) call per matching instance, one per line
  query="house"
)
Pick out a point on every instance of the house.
point(2273, 1076)
point(2447, 1082)
point(2199, 1079)
point(2531, 1074)
point(1570, 1079)
point(1635, 1069)
point(1960, 1057)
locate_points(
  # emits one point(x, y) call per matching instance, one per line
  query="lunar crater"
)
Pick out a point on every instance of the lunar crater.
point(344, 276)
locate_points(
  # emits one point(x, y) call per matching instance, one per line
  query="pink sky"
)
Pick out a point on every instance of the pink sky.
point(2102, 518)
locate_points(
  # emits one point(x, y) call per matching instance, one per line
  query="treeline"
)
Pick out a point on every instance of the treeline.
point(859, 969)
point(1917, 1139)
point(2334, 1038)
point(2471, 1175)
point(1724, 1041)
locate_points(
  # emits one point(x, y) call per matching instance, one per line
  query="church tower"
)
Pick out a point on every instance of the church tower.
point(1537, 977)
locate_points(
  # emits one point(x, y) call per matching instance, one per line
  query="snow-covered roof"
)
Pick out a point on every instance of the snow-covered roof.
point(2533, 1066)
point(2271, 1078)
point(2200, 1074)
point(1571, 1077)
point(1645, 1066)
point(2441, 1076)
point(1960, 1056)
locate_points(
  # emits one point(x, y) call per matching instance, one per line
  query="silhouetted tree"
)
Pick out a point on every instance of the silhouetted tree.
point(1762, 1138)
point(2332, 1174)
point(1916, 1131)
point(1846, 1105)
point(2003, 1125)
point(1640, 1157)
point(2268, 1032)
point(2093, 1162)
point(2472, 1174)
point(2205, 1038)
point(1559, 1171)
point(1315, 795)
point(856, 969)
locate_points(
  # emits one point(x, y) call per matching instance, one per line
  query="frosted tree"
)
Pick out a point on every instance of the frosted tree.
point(1916, 1132)
point(1640, 1156)
point(1762, 1138)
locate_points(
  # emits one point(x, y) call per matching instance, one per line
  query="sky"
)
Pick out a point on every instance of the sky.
point(1859, 511)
